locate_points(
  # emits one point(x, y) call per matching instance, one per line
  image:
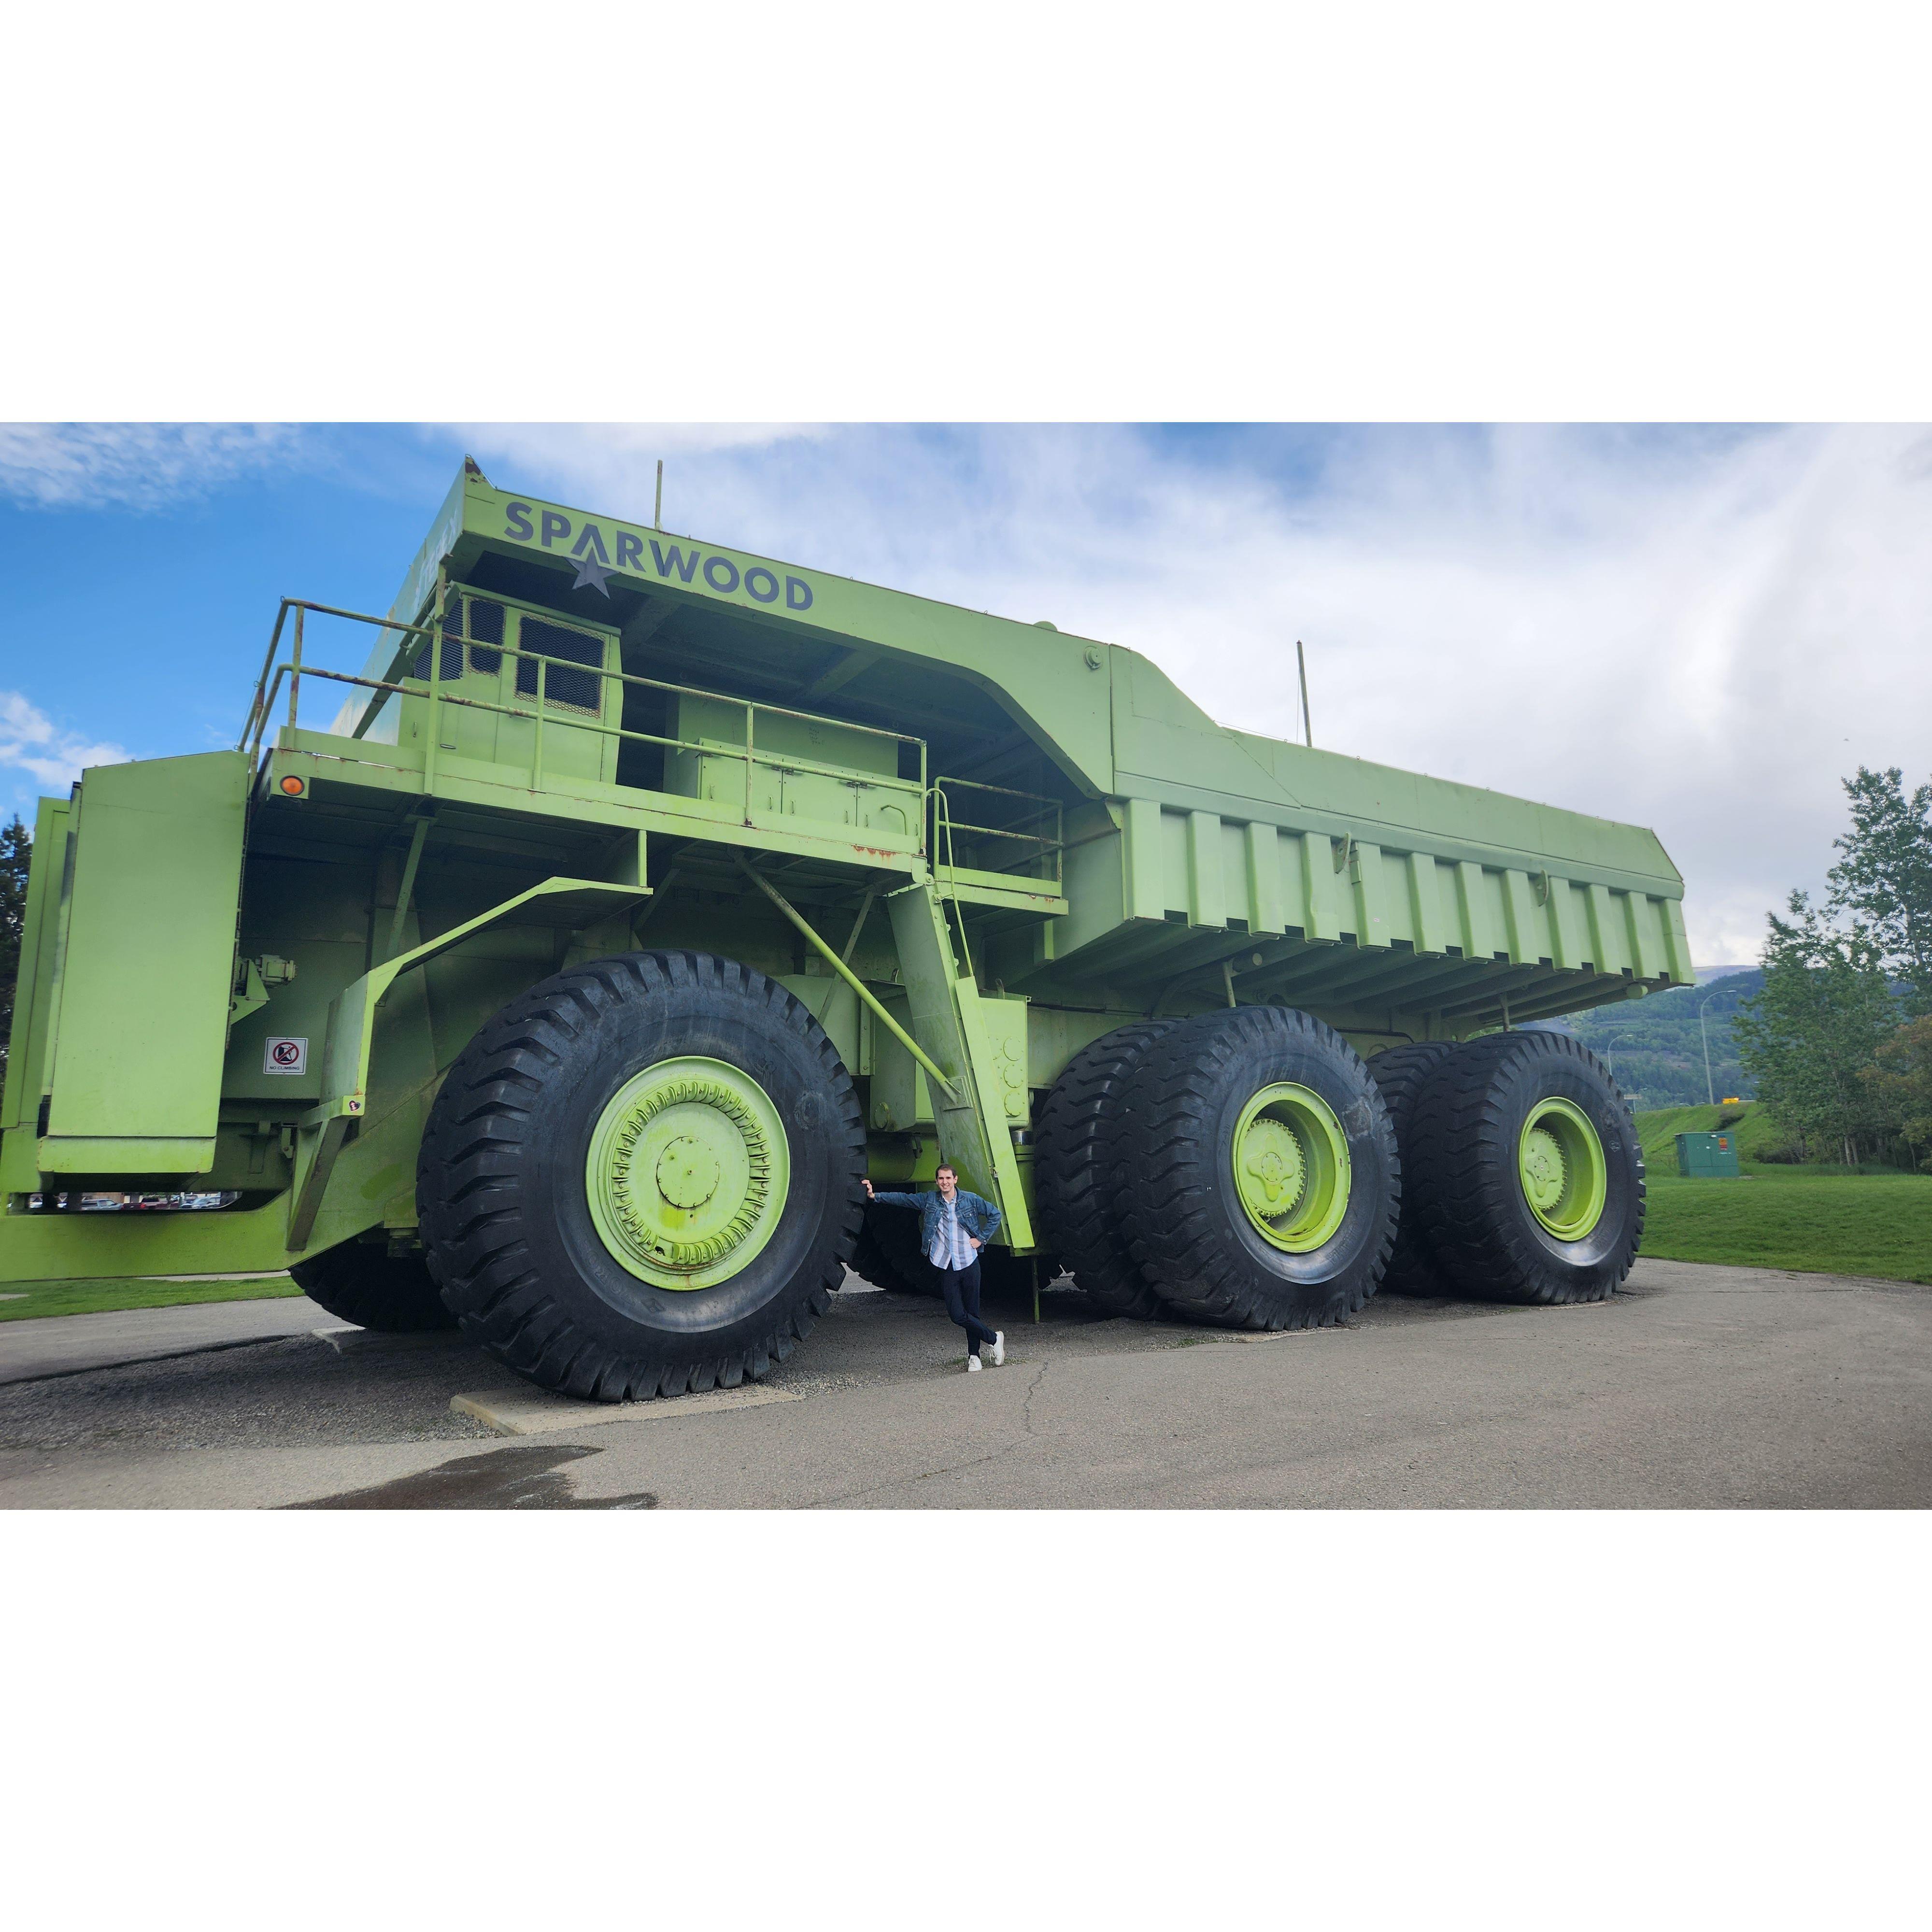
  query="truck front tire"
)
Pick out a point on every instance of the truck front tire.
point(1529, 1176)
point(642, 1177)
point(1261, 1187)
point(361, 1282)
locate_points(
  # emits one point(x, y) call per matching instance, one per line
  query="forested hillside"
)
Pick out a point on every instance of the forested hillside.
point(1652, 1044)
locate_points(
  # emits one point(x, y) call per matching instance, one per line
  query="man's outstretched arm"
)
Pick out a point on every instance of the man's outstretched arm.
point(893, 1200)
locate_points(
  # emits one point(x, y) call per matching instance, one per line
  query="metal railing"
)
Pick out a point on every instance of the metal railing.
point(1039, 849)
point(295, 669)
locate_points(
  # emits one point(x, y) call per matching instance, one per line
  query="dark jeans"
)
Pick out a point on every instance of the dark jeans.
point(961, 1288)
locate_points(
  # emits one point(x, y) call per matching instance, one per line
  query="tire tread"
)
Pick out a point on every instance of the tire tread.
point(1076, 1156)
point(1401, 1073)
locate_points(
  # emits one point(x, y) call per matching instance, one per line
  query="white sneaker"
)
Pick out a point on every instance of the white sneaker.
point(972, 1364)
point(999, 1348)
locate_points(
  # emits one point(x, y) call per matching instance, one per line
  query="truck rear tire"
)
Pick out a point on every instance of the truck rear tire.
point(1007, 1278)
point(1529, 1176)
point(888, 1256)
point(1401, 1073)
point(1261, 1187)
point(1076, 1169)
point(361, 1282)
point(889, 1244)
point(642, 1177)
point(869, 1259)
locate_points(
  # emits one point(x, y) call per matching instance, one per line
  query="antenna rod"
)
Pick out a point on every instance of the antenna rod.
point(657, 516)
point(1301, 665)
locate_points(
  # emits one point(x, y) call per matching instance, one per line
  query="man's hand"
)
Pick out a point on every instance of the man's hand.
point(868, 1187)
point(974, 1239)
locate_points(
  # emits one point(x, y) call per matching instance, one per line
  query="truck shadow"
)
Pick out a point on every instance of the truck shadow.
point(530, 1476)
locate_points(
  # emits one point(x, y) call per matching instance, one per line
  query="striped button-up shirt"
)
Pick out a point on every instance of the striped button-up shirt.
point(950, 1247)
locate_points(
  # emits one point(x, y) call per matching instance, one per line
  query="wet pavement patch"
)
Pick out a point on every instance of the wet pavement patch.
point(528, 1476)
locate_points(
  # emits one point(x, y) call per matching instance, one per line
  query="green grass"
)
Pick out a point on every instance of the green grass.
point(1658, 1130)
point(1814, 1218)
point(93, 1297)
point(1815, 1221)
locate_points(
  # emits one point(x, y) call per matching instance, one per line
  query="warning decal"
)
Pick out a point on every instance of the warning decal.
point(283, 1055)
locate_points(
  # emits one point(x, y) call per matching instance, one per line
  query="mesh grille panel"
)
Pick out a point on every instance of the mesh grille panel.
point(573, 690)
point(486, 628)
point(450, 664)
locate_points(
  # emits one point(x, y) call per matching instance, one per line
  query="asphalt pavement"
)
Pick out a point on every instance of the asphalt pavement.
point(1698, 1386)
point(58, 1345)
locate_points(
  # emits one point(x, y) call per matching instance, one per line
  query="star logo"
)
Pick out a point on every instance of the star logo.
point(589, 571)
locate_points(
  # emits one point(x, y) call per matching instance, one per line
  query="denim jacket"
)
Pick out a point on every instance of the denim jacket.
point(976, 1216)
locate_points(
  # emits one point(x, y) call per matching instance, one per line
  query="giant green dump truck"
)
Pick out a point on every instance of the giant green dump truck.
point(557, 954)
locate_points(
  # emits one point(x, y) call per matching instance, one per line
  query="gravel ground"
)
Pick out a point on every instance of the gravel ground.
point(296, 1389)
point(1696, 1386)
point(335, 1388)
point(316, 1388)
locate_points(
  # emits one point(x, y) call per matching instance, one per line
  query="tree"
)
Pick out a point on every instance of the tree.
point(1826, 1009)
point(17, 853)
point(1901, 1082)
point(1885, 877)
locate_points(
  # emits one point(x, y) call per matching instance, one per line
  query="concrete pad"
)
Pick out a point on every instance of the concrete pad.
point(533, 1412)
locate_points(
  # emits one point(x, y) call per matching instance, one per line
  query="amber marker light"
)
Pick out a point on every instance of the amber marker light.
point(292, 786)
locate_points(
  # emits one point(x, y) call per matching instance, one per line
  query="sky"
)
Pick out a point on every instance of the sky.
point(1702, 629)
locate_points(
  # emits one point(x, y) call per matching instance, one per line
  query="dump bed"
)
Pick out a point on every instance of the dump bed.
point(1113, 840)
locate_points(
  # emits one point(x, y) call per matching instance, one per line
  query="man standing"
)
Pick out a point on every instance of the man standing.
point(952, 1227)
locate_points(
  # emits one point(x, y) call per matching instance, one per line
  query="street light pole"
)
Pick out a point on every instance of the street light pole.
point(1609, 1051)
point(1710, 1089)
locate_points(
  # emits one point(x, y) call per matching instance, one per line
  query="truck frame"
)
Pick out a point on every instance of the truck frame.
point(562, 968)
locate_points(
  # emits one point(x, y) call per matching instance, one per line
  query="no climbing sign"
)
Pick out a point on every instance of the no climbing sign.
point(282, 1055)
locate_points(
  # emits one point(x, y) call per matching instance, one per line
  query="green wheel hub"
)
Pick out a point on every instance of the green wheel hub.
point(1291, 1167)
point(1560, 1163)
point(687, 1172)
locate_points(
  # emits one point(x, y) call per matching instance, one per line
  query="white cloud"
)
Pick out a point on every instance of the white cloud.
point(1704, 639)
point(133, 466)
point(30, 742)
point(1701, 632)
point(610, 467)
